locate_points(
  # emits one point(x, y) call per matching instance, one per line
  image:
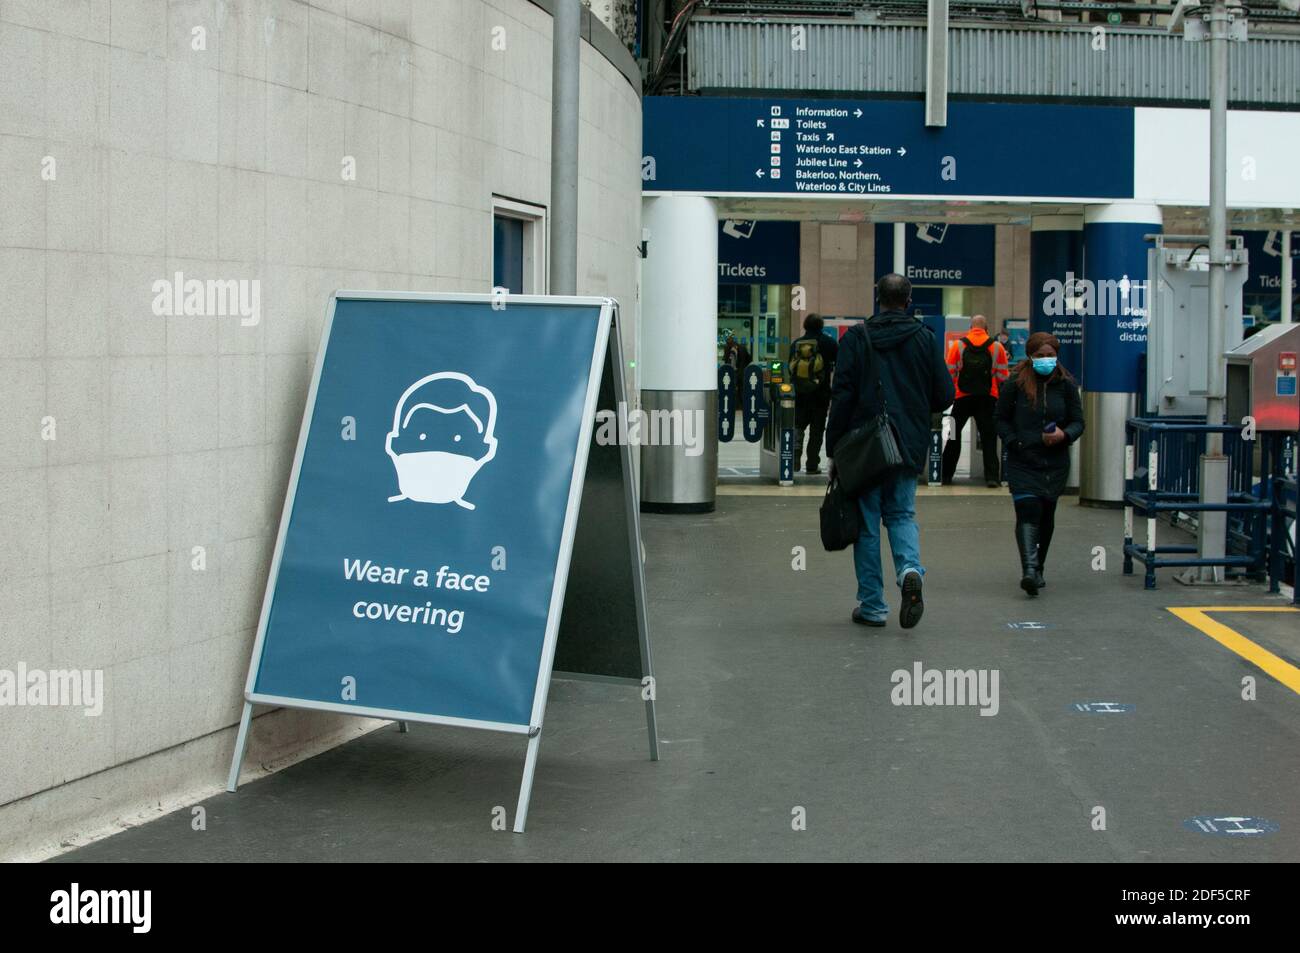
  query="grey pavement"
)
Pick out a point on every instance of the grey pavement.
point(771, 700)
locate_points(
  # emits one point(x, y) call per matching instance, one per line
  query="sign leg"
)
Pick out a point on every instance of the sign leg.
point(403, 727)
point(241, 743)
point(652, 729)
point(526, 786)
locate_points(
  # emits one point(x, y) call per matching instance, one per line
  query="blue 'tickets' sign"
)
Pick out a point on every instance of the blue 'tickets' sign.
point(883, 148)
point(758, 253)
point(428, 525)
point(940, 254)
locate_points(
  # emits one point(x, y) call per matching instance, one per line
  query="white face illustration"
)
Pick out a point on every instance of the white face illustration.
point(442, 435)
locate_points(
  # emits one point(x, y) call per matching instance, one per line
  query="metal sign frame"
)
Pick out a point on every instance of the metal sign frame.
point(607, 312)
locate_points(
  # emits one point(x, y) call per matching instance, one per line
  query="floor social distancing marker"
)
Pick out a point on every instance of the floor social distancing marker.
point(1278, 668)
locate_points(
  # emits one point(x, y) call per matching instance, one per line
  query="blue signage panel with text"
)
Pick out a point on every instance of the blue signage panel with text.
point(941, 254)
point(758, 253)
point(883, 147)
point(426, 528)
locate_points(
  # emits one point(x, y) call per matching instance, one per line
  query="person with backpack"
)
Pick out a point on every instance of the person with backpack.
point(812, 359)
point(1039, 414)
point(978, 364)
point(890, 363)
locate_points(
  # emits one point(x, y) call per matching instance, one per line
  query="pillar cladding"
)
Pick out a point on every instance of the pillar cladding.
point(1112, 299)
point(1055, 260)
point(679, 365)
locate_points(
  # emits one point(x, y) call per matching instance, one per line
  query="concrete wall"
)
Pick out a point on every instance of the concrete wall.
point(128, 438)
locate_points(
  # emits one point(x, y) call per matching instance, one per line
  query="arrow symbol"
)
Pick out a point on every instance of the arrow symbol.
point(830, 137)
point(752, 399)
point(760, 124)
point(902, 151)
point(759, 173)
point(857, 114)
point(857, 163)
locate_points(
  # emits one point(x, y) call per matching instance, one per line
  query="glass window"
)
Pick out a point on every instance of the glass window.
point(508, 253)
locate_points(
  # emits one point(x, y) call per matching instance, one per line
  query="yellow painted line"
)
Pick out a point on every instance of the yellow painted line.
point(1280, 669)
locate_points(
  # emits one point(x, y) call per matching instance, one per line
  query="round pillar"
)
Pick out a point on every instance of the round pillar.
point(1113, 303)
point(679, 314)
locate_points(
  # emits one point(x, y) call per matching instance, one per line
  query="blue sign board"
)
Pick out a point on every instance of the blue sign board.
point(412, 473)
point(758, 253)
point(753, 403)
point(425, 546)
point(941, 254)
point(884, 148)
point(787, 456)
point(728, 387)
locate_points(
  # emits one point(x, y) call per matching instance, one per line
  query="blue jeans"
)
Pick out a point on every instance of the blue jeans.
point(894, 504)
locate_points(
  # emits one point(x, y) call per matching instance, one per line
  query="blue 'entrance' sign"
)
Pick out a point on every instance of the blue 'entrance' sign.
point(425, 545)
point(941, 254)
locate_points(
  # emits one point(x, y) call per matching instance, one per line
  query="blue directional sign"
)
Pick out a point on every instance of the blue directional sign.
point(940, 254)
point(727, 389)
point(758, 253)
point(754, 407)
point(884, 148)
point(787, 455)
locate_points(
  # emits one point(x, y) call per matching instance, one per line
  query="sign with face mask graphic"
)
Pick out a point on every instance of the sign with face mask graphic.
point(425, 545)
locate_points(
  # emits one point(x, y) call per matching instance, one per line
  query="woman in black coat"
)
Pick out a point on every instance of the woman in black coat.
point(1039, 415)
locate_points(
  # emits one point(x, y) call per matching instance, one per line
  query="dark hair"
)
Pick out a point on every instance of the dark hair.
point(813, 323)
point(893, 291)
point(1026, 377)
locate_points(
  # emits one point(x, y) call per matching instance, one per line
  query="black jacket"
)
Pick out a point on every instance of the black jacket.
point(1032, 466)
point(912, 371)
point(829, 348)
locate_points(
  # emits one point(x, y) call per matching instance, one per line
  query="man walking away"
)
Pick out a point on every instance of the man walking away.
point(905, 358)
point(977, 364)
point(812, 358)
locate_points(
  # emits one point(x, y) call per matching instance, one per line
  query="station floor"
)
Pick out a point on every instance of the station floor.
point(771, 701)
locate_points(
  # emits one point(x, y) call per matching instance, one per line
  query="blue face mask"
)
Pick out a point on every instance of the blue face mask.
point(1044, 365)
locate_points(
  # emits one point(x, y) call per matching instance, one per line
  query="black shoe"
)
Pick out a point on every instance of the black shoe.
point(909, 614)
point(1027, 543)
point(1039, 581)
point(861, 619)
point(992, 484)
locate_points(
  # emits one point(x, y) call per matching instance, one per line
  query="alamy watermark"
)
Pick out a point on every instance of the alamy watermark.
point(654, 428)
point(1107, 297)
point(932, 686)
point(211, 298)
point(55, 688)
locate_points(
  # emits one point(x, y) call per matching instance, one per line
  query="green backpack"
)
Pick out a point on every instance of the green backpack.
point(807, 369)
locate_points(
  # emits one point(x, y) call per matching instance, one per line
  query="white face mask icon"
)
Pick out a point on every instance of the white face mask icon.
point(443, 434)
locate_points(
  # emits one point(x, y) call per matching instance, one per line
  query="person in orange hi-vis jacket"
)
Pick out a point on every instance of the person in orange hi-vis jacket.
point(977, 364)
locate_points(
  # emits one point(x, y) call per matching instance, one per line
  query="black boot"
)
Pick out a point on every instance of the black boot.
point(1044, 541)
point(1027, 542)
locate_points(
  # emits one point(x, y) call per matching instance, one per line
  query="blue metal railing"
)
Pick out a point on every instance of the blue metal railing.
point(1282, 561)
point(1162, 478)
